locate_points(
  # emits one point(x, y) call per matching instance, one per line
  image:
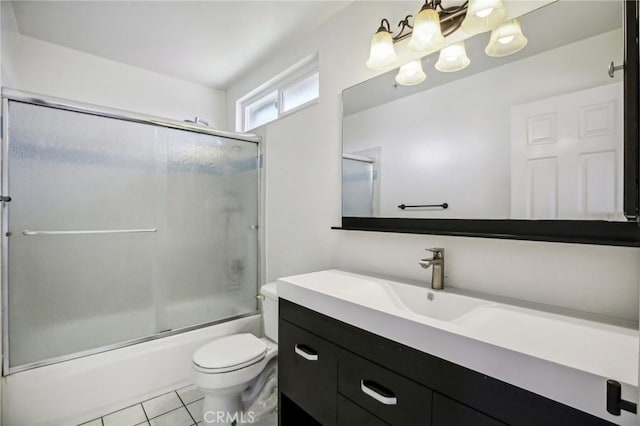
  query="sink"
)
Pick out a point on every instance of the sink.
point(563, 339)
point(435, 304)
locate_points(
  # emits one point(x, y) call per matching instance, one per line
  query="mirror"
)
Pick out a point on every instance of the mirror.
point(537, 135)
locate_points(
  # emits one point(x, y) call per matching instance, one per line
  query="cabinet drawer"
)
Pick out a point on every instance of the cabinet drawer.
point(447, 412)
point(350, 414)
point(391, 397)
point(309, 373)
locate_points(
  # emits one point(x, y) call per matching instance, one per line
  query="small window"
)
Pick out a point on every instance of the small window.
point(290, 91)
point(262, 111)
point(301, 92)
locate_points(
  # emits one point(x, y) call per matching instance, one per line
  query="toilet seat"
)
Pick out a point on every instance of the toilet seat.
point(229, 353)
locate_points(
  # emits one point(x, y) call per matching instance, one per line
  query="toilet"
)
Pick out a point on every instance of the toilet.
point(234, 372)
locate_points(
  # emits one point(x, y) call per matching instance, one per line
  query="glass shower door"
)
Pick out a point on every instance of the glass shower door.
point(80, 275)
point(120, 230)
point(211, 228)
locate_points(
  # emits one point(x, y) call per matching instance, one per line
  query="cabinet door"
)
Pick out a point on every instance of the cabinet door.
point(391, 397)
point(350, 414)
point(308, 373)
point(447, 412)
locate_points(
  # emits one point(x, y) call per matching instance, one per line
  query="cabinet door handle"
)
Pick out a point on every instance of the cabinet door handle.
point(306, 352)
point(378, 392)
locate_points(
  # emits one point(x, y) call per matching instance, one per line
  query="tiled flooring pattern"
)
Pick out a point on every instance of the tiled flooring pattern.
point(182, 407)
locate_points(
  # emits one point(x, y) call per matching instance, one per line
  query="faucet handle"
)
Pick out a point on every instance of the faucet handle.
point(438, 252)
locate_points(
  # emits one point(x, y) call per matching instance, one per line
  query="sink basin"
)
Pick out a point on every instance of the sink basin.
point(395, 296)
point(435, 304)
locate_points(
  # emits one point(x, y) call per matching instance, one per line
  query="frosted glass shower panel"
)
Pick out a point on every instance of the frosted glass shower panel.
point(211, 222)
point(72, 176)
point(357, 187)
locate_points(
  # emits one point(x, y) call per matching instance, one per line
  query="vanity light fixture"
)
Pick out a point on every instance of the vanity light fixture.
point(432, 24)
point(507, 39)
point(411, 73)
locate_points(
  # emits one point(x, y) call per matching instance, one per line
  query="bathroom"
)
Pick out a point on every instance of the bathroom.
point(300, 182)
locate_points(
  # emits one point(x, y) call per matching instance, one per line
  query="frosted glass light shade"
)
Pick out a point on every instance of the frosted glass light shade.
point(453, 58)
point(427, 35)
point(411, 73)
point(483, 15)
point(506, 40)
point(382, 54)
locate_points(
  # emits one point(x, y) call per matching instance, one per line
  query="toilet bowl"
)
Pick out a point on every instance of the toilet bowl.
point(228, 369)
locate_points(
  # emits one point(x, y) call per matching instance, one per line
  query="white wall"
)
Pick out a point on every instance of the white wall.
point(45, 68)
point(303, 153)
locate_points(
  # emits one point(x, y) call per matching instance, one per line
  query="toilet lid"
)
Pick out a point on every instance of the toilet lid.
point(238, 350)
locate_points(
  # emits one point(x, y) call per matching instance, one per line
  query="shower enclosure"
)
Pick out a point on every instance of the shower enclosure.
point(358, 185)
point(120, 228)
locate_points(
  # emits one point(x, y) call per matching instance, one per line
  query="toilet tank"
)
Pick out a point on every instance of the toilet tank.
point(270, 310)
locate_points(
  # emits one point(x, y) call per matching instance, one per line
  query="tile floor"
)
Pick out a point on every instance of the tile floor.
point(182, 407)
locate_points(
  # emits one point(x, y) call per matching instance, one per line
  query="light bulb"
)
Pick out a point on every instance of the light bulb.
point(484, 12)
point(411, 73)
point(507, 39)
point(453, 58)
point(427, 35)
point(483, 15)
point(382, 54)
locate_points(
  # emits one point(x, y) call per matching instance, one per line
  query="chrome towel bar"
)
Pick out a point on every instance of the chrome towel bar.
point(28, 233)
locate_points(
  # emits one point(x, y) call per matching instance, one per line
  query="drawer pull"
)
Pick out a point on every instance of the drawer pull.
point(378, 392)
point(306, 352)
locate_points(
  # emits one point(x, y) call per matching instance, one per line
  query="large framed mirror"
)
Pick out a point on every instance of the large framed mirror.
point(538, 145)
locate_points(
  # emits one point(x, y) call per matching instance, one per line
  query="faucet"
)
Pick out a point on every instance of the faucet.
point(437, 273)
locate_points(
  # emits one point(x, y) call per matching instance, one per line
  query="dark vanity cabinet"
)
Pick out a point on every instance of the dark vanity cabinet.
point(332, 373)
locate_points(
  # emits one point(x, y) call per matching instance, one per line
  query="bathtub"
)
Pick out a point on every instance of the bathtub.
point(75, 391)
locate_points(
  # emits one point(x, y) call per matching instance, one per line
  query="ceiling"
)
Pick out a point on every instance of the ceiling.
point(206, 42)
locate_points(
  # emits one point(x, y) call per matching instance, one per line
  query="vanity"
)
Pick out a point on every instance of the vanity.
point(360, 350)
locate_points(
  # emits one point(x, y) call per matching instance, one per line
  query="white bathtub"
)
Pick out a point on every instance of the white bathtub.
point(72, 392)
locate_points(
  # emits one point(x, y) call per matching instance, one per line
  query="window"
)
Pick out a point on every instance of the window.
point(290, 91)
point(262, 111)
point(300, 93)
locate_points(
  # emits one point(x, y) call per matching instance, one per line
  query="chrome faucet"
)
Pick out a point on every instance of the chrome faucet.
point(437, 273)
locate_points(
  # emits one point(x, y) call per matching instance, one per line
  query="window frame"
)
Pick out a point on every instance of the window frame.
point(280, 103)
point(281, 83)
point(260, 101)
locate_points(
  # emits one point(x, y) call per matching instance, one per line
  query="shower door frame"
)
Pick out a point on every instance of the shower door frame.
point(85, 108)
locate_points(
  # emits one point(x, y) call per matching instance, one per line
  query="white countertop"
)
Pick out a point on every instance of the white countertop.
point(561, 357)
